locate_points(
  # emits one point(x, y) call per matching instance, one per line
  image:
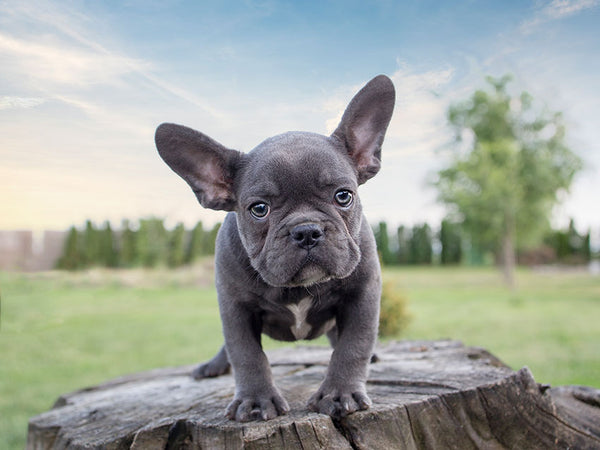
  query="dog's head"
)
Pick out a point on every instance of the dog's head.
point(295, 195)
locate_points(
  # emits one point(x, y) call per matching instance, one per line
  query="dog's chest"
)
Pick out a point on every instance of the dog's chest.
point(301, 328)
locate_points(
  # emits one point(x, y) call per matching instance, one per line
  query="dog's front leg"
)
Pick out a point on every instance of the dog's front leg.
point(344, 389)
point(256, 396)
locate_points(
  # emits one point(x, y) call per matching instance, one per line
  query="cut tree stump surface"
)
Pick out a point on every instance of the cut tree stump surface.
point(425, 395)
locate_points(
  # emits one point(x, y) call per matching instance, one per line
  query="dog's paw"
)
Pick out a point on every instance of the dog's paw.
point(245, 408)
point(210, 369)
point(339, 402)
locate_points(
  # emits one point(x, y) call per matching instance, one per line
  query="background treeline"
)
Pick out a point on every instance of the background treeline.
point(146, 243)
point(450, 244)
point(419, 244)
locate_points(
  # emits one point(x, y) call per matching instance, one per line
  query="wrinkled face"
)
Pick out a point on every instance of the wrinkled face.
point(298, 210)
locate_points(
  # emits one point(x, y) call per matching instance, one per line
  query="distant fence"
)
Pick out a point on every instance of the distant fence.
point(25, 250)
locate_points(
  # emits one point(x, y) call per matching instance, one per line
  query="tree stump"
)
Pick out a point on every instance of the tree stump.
point(425, 395)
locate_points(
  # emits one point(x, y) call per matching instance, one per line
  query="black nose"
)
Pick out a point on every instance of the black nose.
point(307, 235)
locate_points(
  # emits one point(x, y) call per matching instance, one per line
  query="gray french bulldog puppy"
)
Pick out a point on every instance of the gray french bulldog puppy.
point(295, 257)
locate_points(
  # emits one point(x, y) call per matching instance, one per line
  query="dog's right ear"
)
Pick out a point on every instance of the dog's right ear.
point(207, 166)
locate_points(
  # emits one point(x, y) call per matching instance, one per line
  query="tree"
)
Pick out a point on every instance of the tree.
point(451, 243)
point(152, 242)
point(176, 255)
point(420, 245)
point(570, 246)
point(586, 251)
point(403, 248)
point(127, 249)
point(503, 182)
point(107, 252)
point(90, 245)
point(383, 244)
point(71, 258)
point(195, 248)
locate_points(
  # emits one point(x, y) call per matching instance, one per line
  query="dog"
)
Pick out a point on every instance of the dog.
point(295, 257)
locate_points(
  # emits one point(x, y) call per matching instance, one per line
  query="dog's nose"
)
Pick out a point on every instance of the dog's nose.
point(307, 235)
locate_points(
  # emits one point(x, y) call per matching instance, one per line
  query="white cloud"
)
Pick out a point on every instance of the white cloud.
point(54, 51)
point(419, 120)
point(556, 10)
point(48, 64)
point(9, 102)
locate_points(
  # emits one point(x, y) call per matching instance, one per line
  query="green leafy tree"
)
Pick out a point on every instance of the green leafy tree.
point(451, 243)
point(71, 258)
point(403, 248)
point(420, 245)
point(503, 182)
point(383, 244)
point(90, 245)
point(152, 242)
point(570, 246)
point(579, 244)
point(586, 251)
point(195, 248)
point(107, 251)
point(127, 246)
point(176, 256)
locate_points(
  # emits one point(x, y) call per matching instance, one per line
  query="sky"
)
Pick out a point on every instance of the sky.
point(84, 84)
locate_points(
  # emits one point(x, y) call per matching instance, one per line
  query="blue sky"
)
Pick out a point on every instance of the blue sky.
point(84, 84)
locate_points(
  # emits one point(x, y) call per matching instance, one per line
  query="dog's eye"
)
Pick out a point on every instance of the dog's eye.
point(344, 198)
point(259, 210)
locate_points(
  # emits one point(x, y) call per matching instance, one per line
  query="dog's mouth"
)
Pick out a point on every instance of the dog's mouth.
point(306, 273)
point(309, 273)
point(282, 263)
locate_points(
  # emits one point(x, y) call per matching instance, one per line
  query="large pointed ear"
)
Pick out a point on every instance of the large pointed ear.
point(364, 124)
point(207, 166)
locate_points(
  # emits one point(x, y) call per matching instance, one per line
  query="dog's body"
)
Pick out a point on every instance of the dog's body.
point(295, 257)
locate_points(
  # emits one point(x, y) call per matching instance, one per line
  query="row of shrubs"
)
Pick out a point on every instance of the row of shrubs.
point(148, 243)
point(450, 245)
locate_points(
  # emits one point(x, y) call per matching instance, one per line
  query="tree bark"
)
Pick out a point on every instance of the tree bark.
point(425, 395)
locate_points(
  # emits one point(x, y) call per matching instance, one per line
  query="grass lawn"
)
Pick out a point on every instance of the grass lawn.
point(552, 325)
point(60, 332)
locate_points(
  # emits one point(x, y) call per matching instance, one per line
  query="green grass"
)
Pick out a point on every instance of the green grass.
point(60, 332)
point(64, 332)
point(551, 326)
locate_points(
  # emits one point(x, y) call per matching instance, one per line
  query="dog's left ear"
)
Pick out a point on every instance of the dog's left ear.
point(364, 124)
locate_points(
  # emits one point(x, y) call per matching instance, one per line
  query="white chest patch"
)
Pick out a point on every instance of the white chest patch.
point(300, 329)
